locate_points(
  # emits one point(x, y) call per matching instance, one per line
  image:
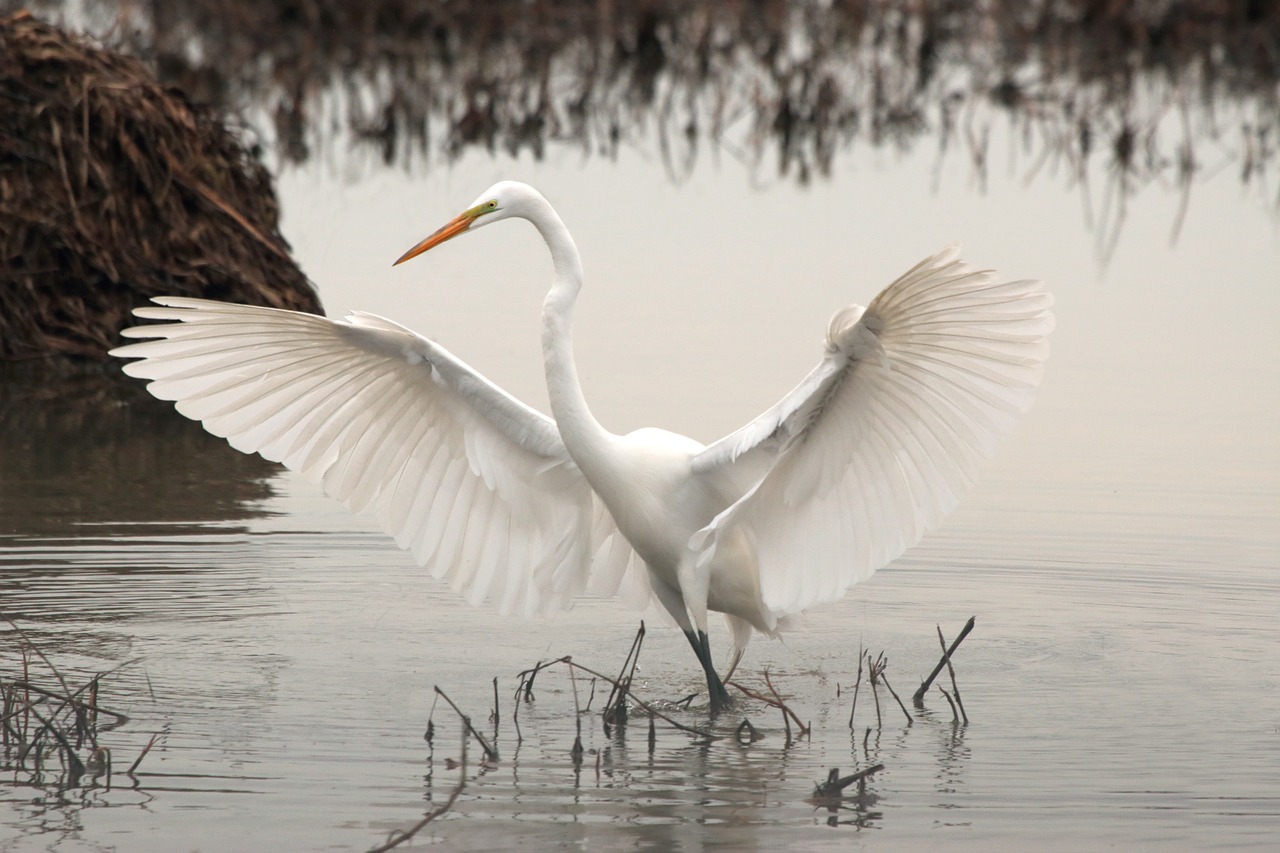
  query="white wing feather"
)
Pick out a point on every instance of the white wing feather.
point(881, 439)
point(476, 484)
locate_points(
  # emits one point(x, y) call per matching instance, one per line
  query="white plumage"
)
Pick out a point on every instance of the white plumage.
point(841, 476)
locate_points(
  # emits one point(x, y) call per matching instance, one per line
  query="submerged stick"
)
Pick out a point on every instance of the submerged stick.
point(918, 698)
point(834, 787)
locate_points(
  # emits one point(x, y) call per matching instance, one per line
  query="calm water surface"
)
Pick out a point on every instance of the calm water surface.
point(1123, 682)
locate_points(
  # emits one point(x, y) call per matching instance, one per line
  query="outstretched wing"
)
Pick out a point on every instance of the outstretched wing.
point(476, 484)
point(882, 438)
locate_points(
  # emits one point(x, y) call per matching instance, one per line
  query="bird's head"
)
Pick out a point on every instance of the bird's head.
point(503, 200)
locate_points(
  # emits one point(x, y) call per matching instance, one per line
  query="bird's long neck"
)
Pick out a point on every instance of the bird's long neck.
point(587, 441)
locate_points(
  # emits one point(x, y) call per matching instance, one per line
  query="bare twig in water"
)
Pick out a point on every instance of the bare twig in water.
point(70, 698)
point(625, 689)
point(646, 706)
point(833, 788)
point(66, 691)
point(874, 668)
point(786, 722)
point(786, 712)
point(134, 766)
point(398, 837)
point(955, 688)
point(775, 700)
point(894, 694)
point(577, 751)
point(524, 690)
point(490, 752)
point(615, 709)
point(524, 678)
point(38, 720)
point(955, 718)
point(857, 683)
point(75, 767)
point(917, 698)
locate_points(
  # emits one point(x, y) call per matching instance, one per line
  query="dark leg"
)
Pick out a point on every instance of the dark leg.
point(720, 700)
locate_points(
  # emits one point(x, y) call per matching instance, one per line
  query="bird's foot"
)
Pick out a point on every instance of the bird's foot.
point(720, 698)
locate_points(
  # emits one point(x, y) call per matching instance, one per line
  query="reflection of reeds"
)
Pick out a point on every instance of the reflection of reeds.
point(788, 83)
point(398, 837)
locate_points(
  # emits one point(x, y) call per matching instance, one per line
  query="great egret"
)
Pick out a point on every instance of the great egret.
point(506, 504)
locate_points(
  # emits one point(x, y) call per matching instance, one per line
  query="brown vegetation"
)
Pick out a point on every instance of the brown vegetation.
point(113, 189)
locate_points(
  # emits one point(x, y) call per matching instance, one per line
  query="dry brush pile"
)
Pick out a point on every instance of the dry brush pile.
point(114, 189)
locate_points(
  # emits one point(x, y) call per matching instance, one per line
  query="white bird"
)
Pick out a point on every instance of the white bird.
point(838, 478)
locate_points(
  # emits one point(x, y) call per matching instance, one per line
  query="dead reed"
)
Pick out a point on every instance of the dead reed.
point(115, 188)
point(623, 705)
point(51, 732)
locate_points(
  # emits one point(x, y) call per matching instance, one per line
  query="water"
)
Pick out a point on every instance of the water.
point(1120, 557)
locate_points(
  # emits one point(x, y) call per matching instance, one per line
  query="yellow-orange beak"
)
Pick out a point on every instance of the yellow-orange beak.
point(458, 225)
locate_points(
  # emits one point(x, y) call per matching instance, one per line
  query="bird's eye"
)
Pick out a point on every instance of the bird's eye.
point(492, 205)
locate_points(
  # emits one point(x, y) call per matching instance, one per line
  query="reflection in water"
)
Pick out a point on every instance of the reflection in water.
point(109, 503)
point(1157, 91)
point(1152, 588)
point(86, 451)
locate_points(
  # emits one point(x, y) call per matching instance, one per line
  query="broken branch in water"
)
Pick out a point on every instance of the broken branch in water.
point(490, 752)
point(833, 788)
point(918, 698)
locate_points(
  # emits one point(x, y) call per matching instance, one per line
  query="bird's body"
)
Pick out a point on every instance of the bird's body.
point(838, 478)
